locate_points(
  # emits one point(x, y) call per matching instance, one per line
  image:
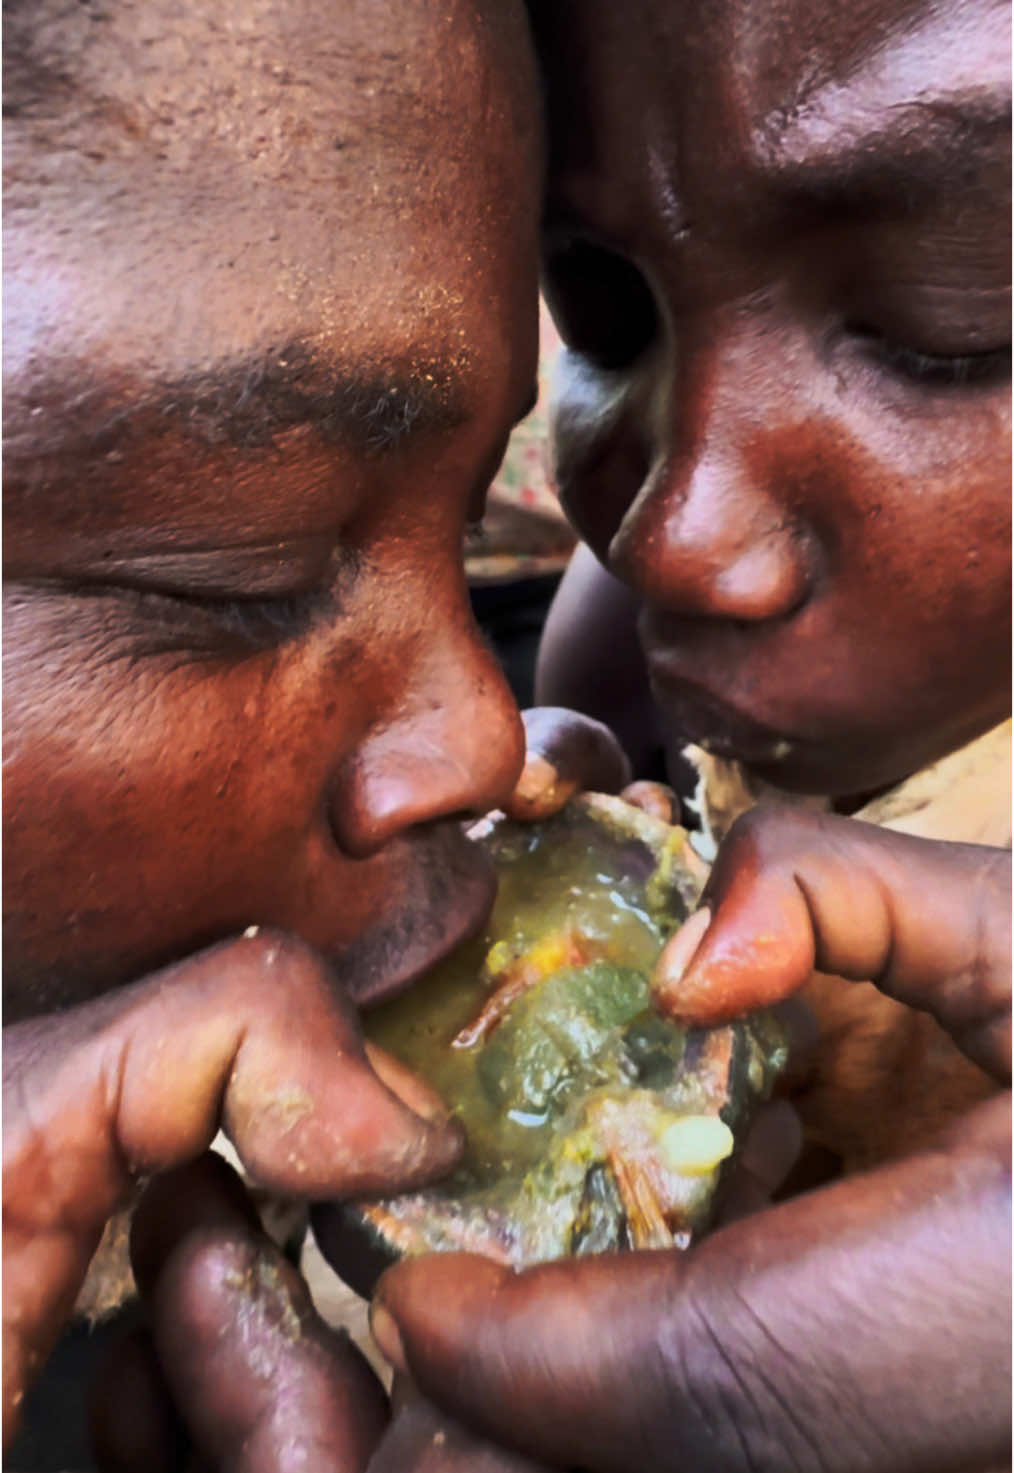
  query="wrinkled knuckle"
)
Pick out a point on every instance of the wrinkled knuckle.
point(710, 1438)
point(731, 1390)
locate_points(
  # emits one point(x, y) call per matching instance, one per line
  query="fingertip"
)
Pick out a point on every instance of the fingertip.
point(674, 991)
point(539, 791)
point(722, 964)
point(462, 1284)
point(653, 798)
point(408, 1087)
point(385, 1332)
point(365, 1126)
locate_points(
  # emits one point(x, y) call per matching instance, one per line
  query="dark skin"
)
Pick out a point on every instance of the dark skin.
point(777, 248)
point(866, 1324)
point(271, 313)
point(94, 1076)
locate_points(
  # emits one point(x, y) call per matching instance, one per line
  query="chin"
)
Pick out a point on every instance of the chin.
point(842, 776)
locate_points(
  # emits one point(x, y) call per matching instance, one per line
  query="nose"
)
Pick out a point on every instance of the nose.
point(451, 747)
point(715, 529)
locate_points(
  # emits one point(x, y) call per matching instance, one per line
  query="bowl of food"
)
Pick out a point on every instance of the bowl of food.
point(594, 1121)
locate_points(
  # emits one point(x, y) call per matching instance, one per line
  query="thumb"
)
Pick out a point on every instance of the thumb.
point(535, 1360)
point(252, 1035)
point(839, 1330)
point(928, 923)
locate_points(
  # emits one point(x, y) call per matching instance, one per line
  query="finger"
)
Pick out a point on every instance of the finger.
point(655, 798)
point(423, 1440)
point(928, 923)
point(252, 1035)
point(864, 1325)
point(261, 1382)
point(566, 752)
point(132, 1422)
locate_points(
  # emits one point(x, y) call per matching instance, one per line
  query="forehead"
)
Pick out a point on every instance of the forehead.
point(711, 96)
point(189, 184)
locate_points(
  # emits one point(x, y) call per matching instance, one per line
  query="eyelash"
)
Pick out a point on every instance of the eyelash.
point(247, 624)
point(265, 620)
point(940, 370)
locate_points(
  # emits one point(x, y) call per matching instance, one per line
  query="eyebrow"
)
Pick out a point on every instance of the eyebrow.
point(922, 147)
point(375, 408)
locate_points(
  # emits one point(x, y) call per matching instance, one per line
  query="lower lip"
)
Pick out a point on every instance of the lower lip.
point(474, 902)
point(703, 718)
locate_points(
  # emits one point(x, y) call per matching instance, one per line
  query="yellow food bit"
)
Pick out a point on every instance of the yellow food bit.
point(695, 1144)
point(499, 957)
point(551, 954)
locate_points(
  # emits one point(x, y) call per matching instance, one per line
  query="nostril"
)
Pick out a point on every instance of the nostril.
point(601, 301)
point(423, 770)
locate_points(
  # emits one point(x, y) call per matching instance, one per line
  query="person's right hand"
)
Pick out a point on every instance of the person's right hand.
point(565, 753)
point(253, 1036)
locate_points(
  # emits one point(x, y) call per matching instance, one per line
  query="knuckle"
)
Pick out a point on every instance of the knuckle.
point(727, 1419)
point(270, 977)
point(772, 835)
point(266, 953)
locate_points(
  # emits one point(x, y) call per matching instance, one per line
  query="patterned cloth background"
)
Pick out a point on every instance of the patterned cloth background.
point(524, 532)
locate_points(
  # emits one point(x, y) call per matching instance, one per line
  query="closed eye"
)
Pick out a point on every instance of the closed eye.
point(158, 621)
point(263, 621)
point(939, 370)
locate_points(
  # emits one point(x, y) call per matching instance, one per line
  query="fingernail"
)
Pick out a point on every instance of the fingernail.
point(537, 781)
point(682, 949)
point(409, 1088)
point(388, 1337)
point(654, 798)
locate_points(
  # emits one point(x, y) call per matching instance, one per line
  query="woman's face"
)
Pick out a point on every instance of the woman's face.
point(778, 249)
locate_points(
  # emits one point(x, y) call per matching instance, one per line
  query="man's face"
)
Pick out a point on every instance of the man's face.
point(271, 301)
point(778, 248)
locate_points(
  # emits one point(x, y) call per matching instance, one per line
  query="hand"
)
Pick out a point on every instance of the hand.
point(234, 1368)
point(567, 753)
point(252, 1035)
point(866, 1324)
point(422, 1439)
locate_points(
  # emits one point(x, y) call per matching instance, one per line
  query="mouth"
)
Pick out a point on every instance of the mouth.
point(448, 900)
point(698, 715)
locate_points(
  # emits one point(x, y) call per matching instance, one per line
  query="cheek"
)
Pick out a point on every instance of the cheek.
point(909, 617)
point(921, 514)
point(147, 810)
